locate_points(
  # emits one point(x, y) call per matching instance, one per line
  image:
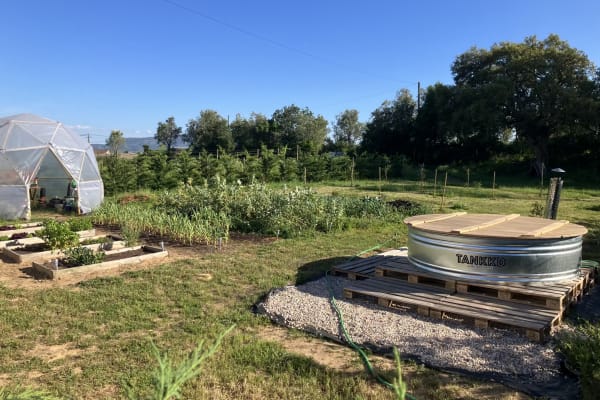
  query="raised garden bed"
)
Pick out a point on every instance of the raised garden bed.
point(37, 250)
point(87, 234)
point(20, 242)
point(113, 259)
point(23, 229)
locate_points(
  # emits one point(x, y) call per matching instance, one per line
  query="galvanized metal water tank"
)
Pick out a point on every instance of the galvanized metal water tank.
point(494, 247)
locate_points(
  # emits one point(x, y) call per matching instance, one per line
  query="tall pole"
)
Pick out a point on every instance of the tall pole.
point(418, 96)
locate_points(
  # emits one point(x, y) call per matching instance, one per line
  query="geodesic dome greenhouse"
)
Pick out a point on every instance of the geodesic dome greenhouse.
point(36, 151)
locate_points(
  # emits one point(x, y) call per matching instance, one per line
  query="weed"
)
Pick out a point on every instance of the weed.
point(537, 210)
point(582, 351)
point(169, 379)
point(131, 233)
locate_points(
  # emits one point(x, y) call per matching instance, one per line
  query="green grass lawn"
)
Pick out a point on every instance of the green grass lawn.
point(92, 339)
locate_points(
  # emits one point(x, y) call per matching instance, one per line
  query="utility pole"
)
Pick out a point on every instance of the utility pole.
point(418, 96)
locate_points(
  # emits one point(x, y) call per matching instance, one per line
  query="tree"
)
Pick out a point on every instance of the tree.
point(187, 168)
point(167, 133)
point(117, 173)
point(347, 130)
point(209, 131)
point(533, 86)
point(252, 133)
point(391, 128)
point(434, 124)
point(297, 127)
point(115, 142)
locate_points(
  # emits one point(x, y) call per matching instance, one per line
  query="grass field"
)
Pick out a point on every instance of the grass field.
point(93, 339)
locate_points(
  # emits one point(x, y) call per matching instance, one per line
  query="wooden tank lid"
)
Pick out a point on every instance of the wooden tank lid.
point(496, 226)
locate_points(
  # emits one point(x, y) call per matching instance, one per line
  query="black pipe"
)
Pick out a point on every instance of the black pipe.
point(556, 199)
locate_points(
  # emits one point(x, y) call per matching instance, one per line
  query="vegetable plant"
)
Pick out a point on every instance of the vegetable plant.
point(78, 256)
point(58, 236)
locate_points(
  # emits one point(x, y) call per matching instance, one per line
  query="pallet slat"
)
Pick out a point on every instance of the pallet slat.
point(531, 308)
point(440, 303)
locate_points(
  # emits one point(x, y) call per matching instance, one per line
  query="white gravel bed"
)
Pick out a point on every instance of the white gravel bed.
point(445, 345)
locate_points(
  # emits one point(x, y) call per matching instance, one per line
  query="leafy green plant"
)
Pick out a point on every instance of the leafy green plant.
point(57, 235)
point(78, 256)
point(537, 210)
point(4, 238)
point(131, 233)
point(77, 224)
point(169, 379)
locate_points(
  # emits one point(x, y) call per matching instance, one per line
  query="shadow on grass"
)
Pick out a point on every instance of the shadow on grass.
point(317, 269)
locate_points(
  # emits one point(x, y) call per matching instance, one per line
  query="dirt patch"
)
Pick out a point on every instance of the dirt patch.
point(343, 359)
point(50, 353)
point(403, 204)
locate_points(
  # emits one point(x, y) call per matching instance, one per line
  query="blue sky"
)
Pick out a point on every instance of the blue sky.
point(99, 65)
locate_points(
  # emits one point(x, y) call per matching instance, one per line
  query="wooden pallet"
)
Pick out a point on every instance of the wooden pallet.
point(401, 268)
point(362, 268)
point(551, 295)
point(432, 301)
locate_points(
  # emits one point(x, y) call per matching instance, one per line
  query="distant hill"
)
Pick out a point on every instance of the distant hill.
point(136, 145)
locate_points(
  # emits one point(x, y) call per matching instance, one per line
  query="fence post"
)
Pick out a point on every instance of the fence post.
point(435, 182)
point(352, 173)
point(542, 180)
point(494, 186)
point(444, 191)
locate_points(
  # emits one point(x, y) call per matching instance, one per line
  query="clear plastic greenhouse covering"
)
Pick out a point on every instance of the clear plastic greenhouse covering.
point(38, 150)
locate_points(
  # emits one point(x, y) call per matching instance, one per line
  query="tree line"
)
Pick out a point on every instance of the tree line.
point(157, 169)
point(537, 100)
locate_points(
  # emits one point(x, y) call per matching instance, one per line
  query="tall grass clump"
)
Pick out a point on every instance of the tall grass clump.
point(169, 378)
point(203, 214)
point(21, 393)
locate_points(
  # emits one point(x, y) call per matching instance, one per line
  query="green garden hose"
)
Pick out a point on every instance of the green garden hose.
point(363, 356)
